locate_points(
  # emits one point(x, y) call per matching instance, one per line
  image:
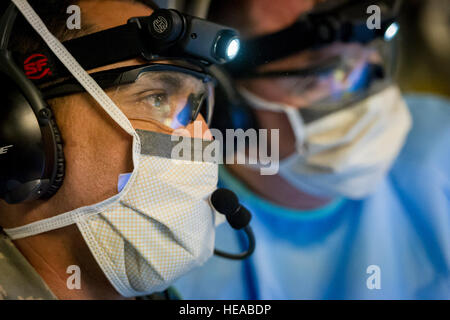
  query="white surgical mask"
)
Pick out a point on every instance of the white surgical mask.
point(347, 152)
point(160, 225)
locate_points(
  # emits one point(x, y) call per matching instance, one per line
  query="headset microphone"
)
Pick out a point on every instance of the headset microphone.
point(227, 203)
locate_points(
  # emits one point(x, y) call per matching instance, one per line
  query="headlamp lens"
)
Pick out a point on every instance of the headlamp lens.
point(227, 46)
point(233, 48)
point(391, 31)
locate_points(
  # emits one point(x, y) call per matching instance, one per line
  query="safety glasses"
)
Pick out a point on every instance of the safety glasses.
point(325, 80)
point(173, 95)
point(344, 21)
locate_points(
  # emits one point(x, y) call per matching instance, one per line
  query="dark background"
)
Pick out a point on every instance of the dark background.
point(424, 47)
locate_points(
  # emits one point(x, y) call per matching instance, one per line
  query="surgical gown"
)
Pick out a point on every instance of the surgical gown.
point(394, 244)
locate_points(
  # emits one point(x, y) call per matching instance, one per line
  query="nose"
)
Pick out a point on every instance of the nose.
point(198, 129)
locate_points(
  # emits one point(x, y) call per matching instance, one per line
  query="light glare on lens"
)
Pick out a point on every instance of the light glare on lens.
point(391, 31)
point(233, 48)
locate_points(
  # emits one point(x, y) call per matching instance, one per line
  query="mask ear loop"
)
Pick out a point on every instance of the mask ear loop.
point(292, 113)
point(298, 127)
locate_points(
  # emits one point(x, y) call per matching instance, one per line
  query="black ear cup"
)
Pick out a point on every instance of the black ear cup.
point(31, 148)
point(57, 178)
point(33, 165)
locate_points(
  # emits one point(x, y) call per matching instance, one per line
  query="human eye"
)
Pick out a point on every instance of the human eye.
point(159, 101)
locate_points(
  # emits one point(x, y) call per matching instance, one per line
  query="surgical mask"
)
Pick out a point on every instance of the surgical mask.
point(347, 152)
point(161, 224)
point(159, 227)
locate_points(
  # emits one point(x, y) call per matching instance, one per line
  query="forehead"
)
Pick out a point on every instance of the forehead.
point(268, 16)
point(105, 14)
point(171, 80)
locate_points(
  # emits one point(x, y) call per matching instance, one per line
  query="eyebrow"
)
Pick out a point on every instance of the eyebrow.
point(173, 82)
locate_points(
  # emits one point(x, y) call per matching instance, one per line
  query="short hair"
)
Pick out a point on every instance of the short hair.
point(53, 13)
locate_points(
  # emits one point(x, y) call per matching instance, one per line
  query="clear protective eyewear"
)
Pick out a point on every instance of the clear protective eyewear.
point(324, 80)
point(172, 95)
point(329, 58)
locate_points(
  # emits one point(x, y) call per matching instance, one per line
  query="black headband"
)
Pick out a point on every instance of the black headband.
point(337, 20)
point(91, 51)
point(165, 33)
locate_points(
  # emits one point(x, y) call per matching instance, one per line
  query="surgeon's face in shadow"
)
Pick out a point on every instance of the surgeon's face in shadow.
point(265, 17)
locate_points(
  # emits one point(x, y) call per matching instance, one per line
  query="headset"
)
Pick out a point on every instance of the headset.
point(32, 163)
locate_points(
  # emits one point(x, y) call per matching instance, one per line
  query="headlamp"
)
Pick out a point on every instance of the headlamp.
point(166, 33)
point(391, 31)
point(171, 32)
point(329, 22)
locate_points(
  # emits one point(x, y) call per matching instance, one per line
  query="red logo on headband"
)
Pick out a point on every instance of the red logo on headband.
point(35, 67)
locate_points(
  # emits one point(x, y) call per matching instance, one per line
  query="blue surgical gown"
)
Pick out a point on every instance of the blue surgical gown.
point(400, 234)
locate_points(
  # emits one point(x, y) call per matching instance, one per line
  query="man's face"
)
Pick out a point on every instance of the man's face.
point(105, 14)
point(301, 91)
point(266, 17)
point(105, 149)
point(348, 61)
point(96, 149)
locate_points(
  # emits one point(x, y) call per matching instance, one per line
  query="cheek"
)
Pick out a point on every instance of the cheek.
point(111, 155)
point(262, 88)
point(113, 149)
point(95, 144)
point(271, 120)
point(271, 90)
point(197, 129)
point(150, 125)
